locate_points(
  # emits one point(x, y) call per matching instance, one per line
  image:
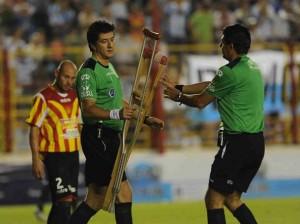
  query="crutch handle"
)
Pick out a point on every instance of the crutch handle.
point(151, 34)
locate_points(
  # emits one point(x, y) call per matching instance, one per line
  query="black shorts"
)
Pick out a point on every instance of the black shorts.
point(62, 173)
point(237, 162)
point(100, 146)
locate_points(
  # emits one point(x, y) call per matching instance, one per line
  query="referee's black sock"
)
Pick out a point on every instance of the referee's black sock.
point(244, 215)
point(123, 213)
point(216, 216)
point(82, 214)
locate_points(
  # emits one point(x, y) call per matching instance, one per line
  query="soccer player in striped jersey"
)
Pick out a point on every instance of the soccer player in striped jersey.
point(54, 136)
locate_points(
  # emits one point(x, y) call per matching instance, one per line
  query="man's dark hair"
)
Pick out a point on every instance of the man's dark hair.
point(97, 27)
point(239, 36)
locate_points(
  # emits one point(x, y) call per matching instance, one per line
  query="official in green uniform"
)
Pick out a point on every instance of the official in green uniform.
point(103, 113)
point(238, 89)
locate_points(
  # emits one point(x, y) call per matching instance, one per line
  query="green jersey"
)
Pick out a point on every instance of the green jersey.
point(239, 90)
point(102, 84)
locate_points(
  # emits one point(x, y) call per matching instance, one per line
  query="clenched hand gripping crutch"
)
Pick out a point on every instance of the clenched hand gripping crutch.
point(150, 68)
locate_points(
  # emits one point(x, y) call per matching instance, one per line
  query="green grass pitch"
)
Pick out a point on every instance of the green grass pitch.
point(267, 211)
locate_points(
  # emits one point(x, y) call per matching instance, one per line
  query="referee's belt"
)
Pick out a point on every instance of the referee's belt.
point(104, 129)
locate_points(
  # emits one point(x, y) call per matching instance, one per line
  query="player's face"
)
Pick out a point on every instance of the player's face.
point(66, 78)
point(105, 45)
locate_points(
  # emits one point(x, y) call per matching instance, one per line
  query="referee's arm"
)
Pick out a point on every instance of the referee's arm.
point(196, 88)
point(200, 100)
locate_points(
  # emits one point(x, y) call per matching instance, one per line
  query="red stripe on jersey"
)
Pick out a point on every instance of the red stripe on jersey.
point(67, 145)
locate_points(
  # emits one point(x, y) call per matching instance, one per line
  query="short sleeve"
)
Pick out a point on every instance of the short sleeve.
point(222, 83)
point(86, 84)
point(38, 111)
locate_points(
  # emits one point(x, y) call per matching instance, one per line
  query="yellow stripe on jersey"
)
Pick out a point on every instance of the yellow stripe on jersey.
point(37, 112)
point(50, 136)
point(73, 114)
point(57, 121)
point(43, 145)
point(74, 108)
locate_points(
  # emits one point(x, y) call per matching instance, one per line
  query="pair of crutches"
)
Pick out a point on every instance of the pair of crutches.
point(150, 68)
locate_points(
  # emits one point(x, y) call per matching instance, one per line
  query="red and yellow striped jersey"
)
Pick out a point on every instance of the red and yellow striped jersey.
point(57, 115)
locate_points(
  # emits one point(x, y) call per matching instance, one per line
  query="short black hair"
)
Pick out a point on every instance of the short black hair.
point(97, 27)
point(239, 36)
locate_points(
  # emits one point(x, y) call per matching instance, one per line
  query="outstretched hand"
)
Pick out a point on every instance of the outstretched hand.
point(169, 89)
point(166, 81)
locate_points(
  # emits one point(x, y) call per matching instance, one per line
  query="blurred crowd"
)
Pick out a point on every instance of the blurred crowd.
point(182, 21)
point(29, 27)
point(37, 34)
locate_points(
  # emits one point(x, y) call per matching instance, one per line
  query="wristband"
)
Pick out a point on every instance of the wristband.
point(178, 98)
point(114, 114)
point(179, 87)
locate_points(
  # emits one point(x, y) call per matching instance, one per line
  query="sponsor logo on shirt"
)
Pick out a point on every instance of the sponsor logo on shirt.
point(85, 91)
point(70, 128)
point(85, 77)
point(112, 92)
point(65, 100)
point(219, 73)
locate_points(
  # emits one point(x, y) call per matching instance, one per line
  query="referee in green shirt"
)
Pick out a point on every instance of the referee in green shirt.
point(104, 110)
point(238, 89)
